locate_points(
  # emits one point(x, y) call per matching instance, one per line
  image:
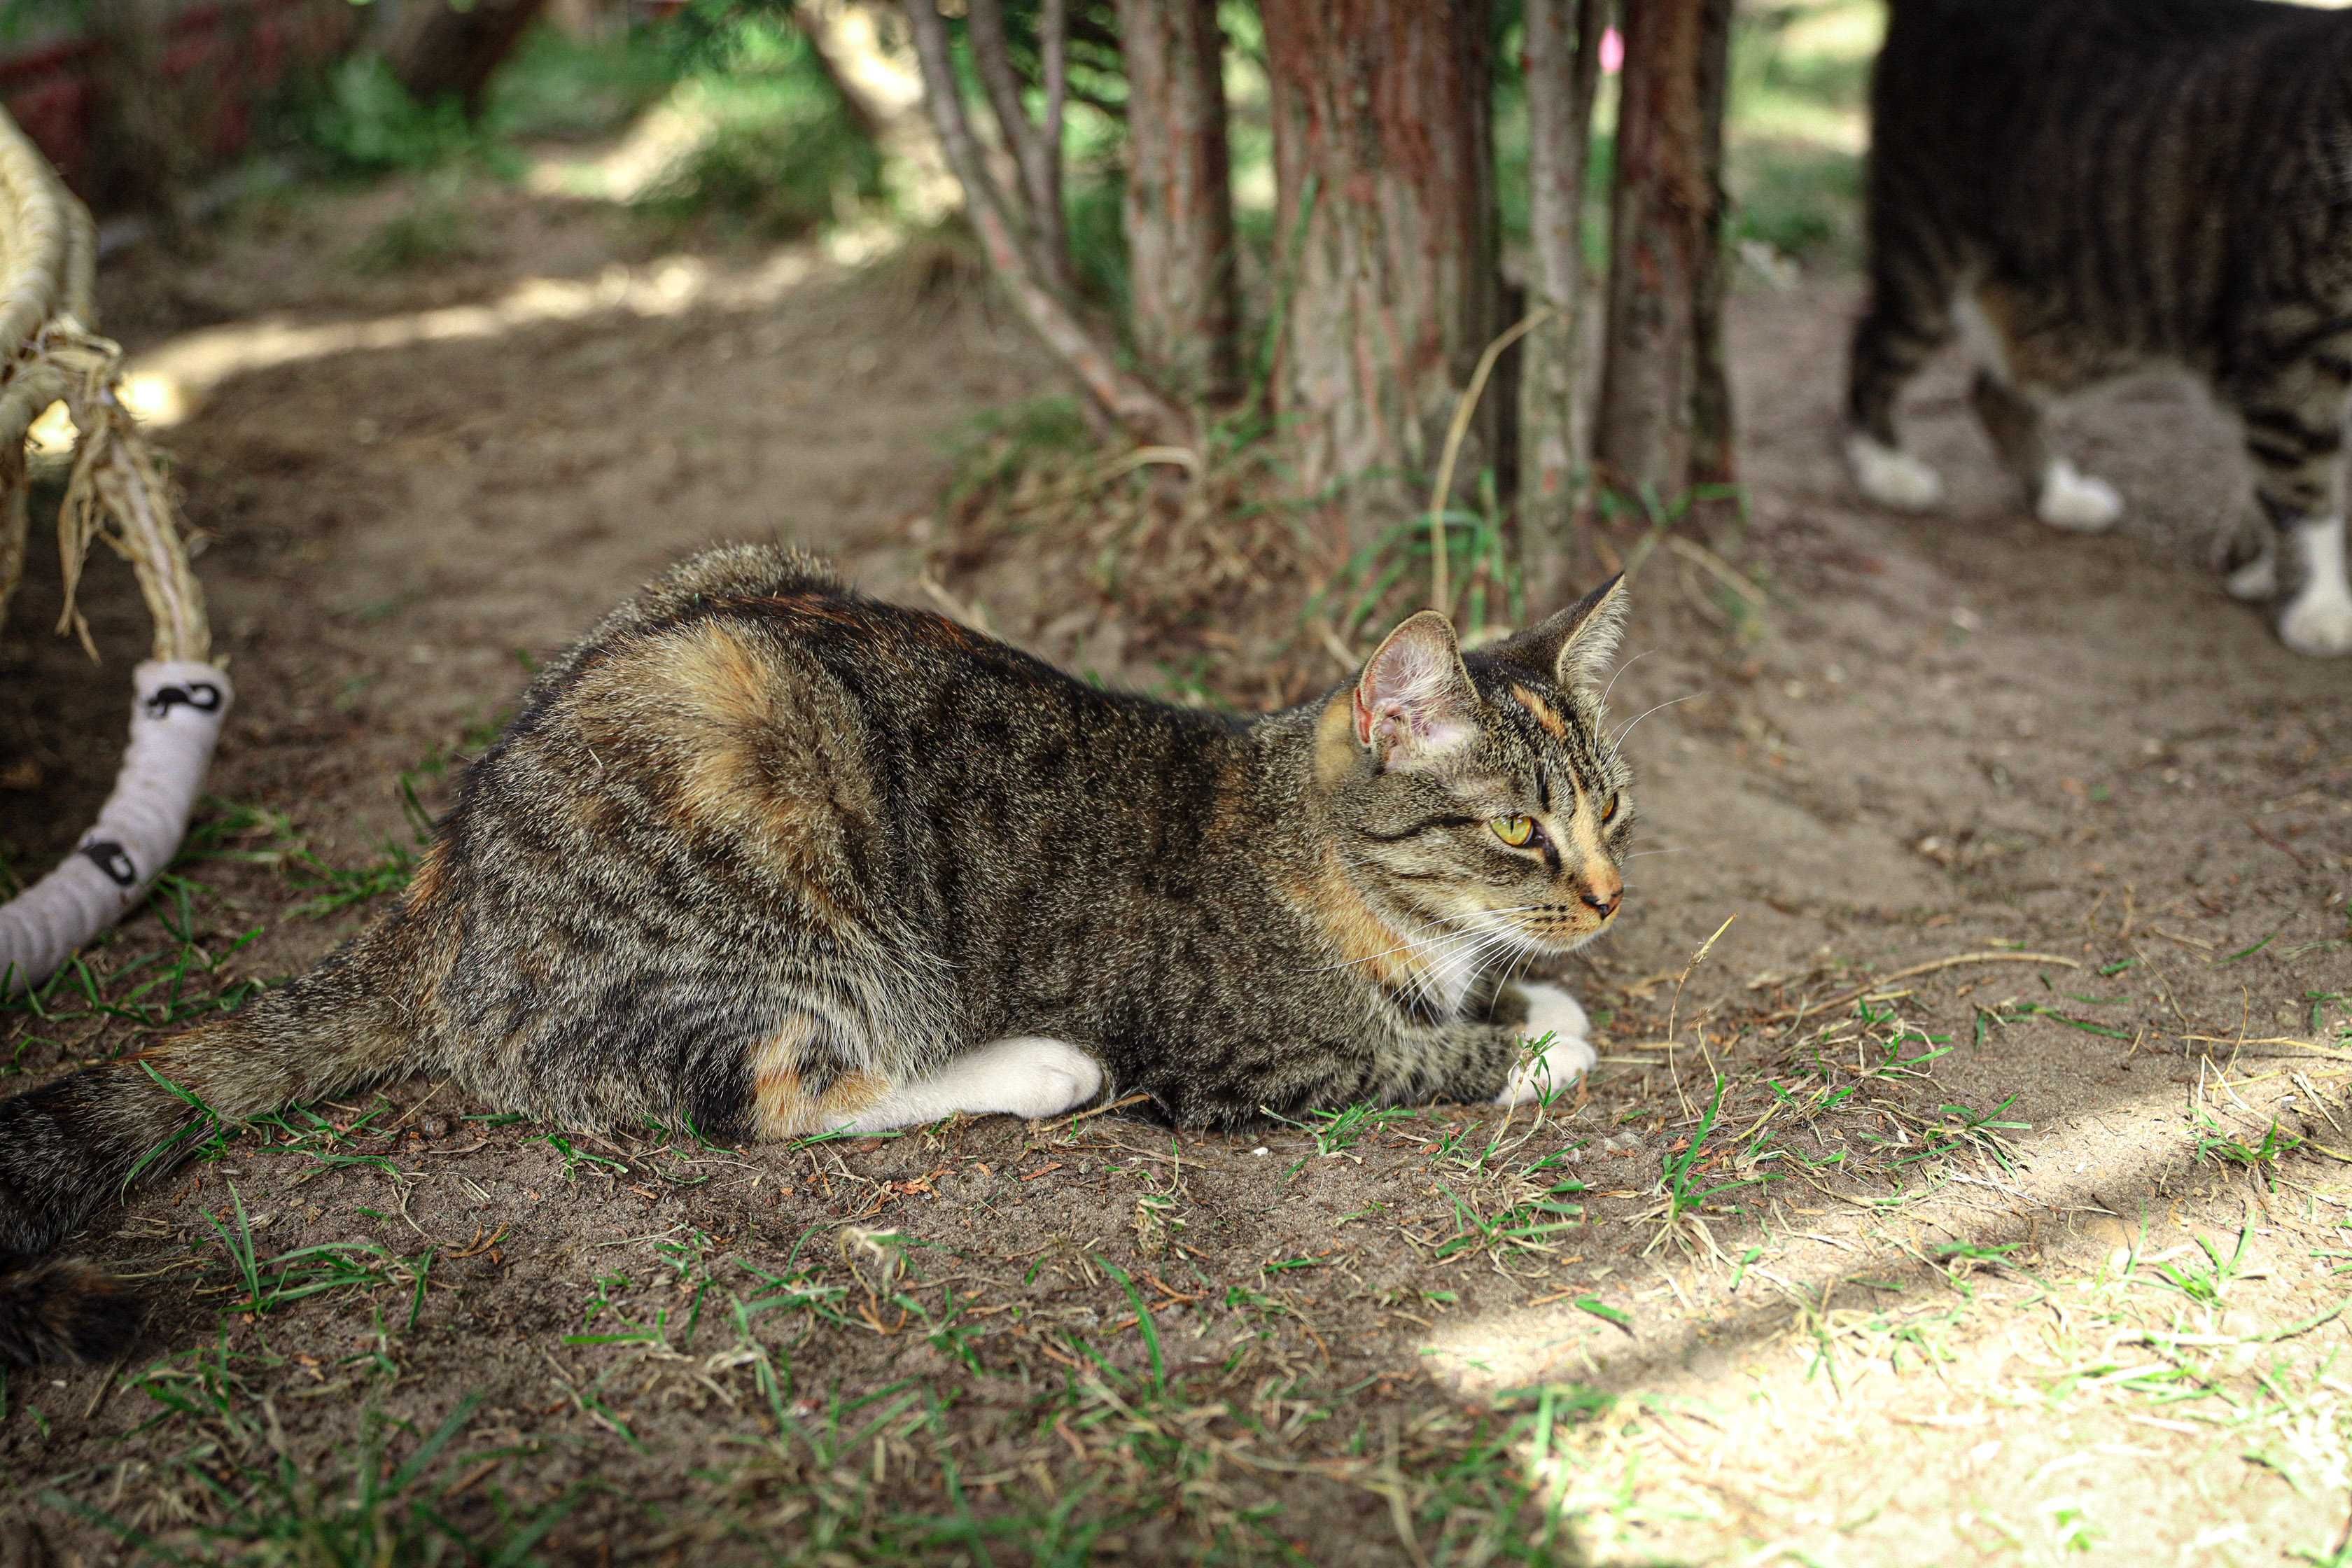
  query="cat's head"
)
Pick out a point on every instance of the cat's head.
point(1478, 793)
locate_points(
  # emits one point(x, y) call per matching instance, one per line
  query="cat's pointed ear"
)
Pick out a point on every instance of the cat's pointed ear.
point(1577, 644)
point(1414, 702)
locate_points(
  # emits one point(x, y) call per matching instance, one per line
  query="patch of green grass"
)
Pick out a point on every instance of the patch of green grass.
point(2215, 1144)
point(998, 445)
point(360, 1507)
point(431, 233)
point(2205, 1283)
point(1961, 1129)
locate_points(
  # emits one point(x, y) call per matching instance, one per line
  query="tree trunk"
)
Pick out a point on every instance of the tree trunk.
point(1563, 72)
point(1180, 212)
point(1666, 234)
point(439, 51)
point(1713, 461)
point(1386, 282)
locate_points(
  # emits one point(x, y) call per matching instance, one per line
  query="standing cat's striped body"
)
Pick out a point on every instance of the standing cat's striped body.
point(2083, 187)
point(768, 857)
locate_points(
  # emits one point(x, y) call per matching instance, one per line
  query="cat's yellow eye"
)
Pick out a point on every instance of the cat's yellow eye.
point(1610, 815)
point(1514, 831)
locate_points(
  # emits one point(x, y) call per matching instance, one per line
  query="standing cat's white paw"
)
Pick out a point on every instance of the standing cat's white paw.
point(1547, 1069)
point(2319, 619)
point(2075, 501)
point(1891, 477)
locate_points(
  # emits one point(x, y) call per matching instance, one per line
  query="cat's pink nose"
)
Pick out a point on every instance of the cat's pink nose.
point(1604, 889)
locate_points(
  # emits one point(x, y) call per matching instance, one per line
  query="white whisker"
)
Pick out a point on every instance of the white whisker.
point(1617, 742)
point(1620, 670)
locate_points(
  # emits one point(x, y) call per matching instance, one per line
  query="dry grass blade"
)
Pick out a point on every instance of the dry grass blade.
point(1955, 961)
point(1440, 588)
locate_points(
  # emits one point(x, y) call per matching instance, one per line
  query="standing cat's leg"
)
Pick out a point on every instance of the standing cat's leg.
point(2063, 495)
point(1909, 319)
point(2293, 427)
point(2014, 383)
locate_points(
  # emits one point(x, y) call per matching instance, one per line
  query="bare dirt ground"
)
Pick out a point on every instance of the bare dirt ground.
point(2032, 1255)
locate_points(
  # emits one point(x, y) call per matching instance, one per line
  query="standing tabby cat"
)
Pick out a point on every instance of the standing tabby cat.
point(771, 857)
point(2088, 185)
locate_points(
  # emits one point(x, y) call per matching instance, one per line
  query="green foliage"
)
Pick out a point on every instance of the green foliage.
point(1801, 200)
point(561, 88)
point(24, 21)
point(364, 123)
point(1800, 91)
point(781, 156)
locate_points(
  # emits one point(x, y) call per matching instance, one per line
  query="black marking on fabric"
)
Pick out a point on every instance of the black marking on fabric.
point(202, 696)
point(112, 859)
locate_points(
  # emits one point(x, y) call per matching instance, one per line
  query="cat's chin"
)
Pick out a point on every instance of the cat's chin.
point(1542, 945)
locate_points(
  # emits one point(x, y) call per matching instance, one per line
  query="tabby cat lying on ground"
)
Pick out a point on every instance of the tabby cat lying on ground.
point(2085, 186)
point(767, 857)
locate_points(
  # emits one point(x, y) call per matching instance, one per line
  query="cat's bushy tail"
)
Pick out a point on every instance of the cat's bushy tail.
point(68, 1146)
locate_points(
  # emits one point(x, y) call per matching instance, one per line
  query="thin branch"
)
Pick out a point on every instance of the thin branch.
point(1054, 42)
point(1038, 159)
point(1135, 404)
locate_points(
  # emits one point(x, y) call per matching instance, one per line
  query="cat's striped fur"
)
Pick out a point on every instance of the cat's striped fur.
point(768, 857)
point(2087, 186)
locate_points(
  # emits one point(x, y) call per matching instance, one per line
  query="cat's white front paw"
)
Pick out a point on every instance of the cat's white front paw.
point(1892, 476)
point(2075, 501)
point(2319, 619)
point(1558, 1047)
point(1031, 1076)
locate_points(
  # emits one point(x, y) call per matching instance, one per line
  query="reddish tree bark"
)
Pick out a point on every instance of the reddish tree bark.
point(1713, 461)
point(1663, 400)
point(1563, 73)
point(1179, 213)
point(1386, 279)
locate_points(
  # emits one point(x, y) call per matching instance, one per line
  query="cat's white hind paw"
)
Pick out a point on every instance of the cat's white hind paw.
point(2075, 501)
point(1032, 1075)
point(2257, 580)
point(1027, 1075)
point(1892, 476)
point(1550, 1065)
point(2319, 619)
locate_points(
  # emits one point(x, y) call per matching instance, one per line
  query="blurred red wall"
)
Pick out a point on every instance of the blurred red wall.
point(220, 59)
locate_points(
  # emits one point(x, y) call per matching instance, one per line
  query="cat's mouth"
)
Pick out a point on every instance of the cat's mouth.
point(1555, 935)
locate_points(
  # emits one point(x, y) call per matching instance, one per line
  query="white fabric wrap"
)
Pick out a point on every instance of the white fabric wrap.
point(174, 721)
